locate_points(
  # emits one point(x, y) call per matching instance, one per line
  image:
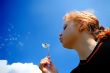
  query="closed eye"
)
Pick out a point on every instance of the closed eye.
point(65, 27)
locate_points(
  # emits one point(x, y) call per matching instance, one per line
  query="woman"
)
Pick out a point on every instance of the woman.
point(83, 33)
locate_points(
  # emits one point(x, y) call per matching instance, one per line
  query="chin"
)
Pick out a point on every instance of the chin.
point(67, 46)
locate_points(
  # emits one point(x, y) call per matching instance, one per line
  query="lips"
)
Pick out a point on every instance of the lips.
point(60, 39)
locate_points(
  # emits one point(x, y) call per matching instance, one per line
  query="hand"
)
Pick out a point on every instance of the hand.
point(46, 66)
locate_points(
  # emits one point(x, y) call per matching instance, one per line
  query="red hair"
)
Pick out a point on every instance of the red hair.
point(88, 21)
point(104, 34)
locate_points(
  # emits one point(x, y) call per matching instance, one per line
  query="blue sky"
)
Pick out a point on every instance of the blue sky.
point(26, 24)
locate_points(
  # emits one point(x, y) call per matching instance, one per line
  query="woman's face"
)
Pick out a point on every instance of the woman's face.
point(69, 35)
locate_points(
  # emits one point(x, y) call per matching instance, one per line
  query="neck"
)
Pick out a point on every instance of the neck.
point(85, 46)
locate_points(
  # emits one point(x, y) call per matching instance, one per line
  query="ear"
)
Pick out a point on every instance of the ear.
point(82, 26)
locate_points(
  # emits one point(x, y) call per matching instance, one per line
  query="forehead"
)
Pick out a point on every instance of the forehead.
point(67, 23)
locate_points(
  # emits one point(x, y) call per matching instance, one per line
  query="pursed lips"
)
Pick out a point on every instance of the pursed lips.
point(60, 39)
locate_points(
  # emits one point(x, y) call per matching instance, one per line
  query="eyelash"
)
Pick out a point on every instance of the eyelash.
point(65, 27)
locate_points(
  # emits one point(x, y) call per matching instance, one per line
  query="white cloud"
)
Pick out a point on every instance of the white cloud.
point(3, 66)
point(18, 67)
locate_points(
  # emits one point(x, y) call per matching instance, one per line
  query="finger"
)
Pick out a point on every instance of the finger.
point(41, 66)
point(44, 68)
point(51, 65)
point(45, 60)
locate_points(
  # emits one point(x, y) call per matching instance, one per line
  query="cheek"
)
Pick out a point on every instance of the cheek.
point(69, 40)
point(70, 35)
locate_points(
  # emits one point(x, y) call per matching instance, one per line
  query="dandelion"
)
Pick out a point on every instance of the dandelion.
point(46, 45)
